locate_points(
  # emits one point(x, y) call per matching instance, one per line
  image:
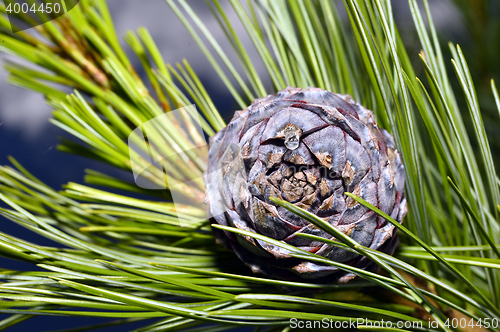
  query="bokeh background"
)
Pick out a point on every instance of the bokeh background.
point(27, 135)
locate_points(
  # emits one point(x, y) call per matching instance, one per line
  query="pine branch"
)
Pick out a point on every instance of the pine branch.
point(132, 259)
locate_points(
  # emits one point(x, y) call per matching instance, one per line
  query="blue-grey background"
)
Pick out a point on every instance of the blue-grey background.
point(26, 134)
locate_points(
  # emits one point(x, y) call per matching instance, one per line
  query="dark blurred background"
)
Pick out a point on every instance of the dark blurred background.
point(26, 134)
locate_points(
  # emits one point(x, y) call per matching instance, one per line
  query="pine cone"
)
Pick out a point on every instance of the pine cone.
point(307, 147)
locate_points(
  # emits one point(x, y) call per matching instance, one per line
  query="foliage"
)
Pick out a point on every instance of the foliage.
point(128, 258)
